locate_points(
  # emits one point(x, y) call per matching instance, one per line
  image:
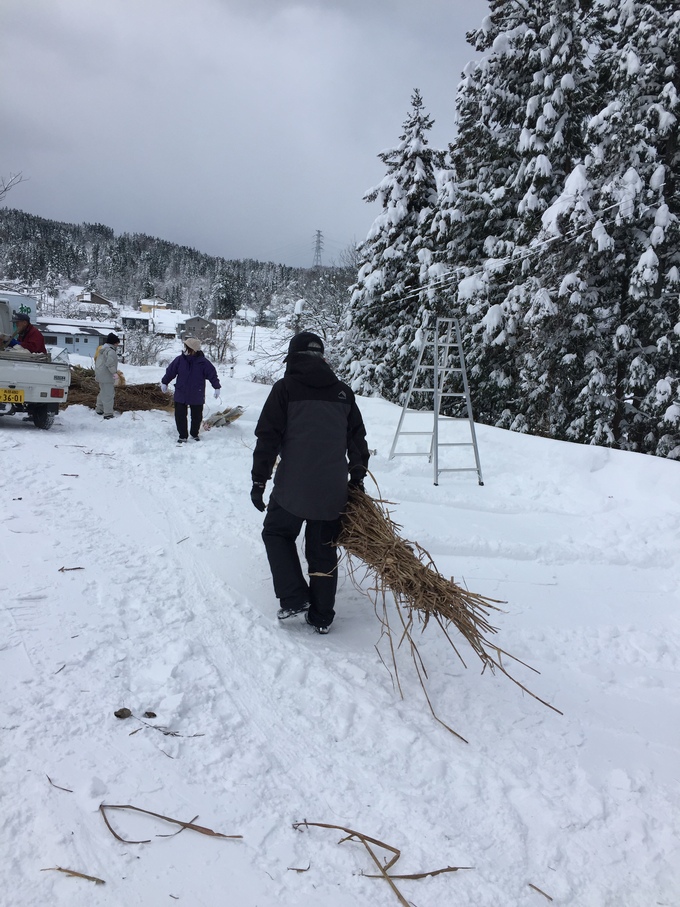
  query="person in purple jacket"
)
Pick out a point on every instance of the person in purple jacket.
point(191, 370)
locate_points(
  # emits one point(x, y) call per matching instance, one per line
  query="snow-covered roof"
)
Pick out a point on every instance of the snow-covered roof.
point(88, 330)
point(133, 313)
point(73, 323)
point(86, 297)
point(165, 321)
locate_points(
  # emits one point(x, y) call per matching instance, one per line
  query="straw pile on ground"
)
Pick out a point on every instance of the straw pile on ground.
point(406, 571)
point(84, 390)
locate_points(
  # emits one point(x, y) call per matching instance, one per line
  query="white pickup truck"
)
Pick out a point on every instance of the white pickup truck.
point(32, 383)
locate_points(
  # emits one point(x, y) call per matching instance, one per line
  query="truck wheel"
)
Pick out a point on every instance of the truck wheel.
point(42, 417)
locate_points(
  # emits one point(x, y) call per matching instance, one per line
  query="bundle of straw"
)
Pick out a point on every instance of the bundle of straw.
point(420, 592)
point(84, 390)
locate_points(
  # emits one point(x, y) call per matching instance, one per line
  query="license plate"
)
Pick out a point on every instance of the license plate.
point(11, 396)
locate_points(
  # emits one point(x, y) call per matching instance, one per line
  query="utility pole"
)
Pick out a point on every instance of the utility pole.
point(318, 246)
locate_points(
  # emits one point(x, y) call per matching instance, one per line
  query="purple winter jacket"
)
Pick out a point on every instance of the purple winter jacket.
point(191, 372)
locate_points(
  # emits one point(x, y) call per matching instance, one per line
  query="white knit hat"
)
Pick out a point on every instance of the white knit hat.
point(193, 344)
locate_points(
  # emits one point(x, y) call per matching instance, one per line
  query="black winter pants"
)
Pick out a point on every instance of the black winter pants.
point(280, 531)
point(181, 419)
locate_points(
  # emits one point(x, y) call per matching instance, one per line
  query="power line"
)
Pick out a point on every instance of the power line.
point(450, 276)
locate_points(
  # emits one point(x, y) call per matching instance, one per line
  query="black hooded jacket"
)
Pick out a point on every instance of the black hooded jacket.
point(311, 420)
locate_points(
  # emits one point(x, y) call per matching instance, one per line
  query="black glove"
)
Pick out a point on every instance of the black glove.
point(256, 493)
point(356, 478)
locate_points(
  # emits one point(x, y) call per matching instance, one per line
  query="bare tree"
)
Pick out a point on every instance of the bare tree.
point(69, 306)
point(350, 259)
point(144, 349)
point(7, 184)
point(220, 348)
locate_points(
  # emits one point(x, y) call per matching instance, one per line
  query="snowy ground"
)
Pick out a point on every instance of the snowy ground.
point(172, 611)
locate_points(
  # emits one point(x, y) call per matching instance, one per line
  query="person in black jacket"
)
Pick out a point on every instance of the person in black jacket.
point(312, 422)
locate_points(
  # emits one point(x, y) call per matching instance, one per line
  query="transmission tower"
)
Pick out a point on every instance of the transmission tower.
point(318, 246)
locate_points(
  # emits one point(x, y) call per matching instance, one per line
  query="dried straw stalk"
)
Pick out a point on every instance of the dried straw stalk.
point(406, 571)
point(201, 829)
point(382, 865)
point(75, 874)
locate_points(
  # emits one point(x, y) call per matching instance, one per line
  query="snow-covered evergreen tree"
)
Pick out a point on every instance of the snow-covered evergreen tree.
point(519, 115)
point(202, 306)
point(557, 320)
point(224, 301)
point(619, 252)
point(389, 305)
point(477, 224)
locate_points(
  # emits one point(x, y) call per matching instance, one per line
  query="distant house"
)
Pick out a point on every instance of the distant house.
point(152, 304)
point(90, 298)
point(197, 326)
point(165, 322)
point(135, 321)
point(79, 337)
point(246, 316)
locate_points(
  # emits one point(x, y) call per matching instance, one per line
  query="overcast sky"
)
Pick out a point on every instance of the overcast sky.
point(238, 127)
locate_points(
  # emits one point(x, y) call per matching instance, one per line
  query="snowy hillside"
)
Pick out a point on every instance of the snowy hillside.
point(165, 605)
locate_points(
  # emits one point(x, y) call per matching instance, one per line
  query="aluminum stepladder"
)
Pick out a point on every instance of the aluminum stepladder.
point(446, 346)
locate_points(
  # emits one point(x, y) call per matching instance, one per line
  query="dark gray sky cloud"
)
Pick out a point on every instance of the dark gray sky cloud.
point(238, 127)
